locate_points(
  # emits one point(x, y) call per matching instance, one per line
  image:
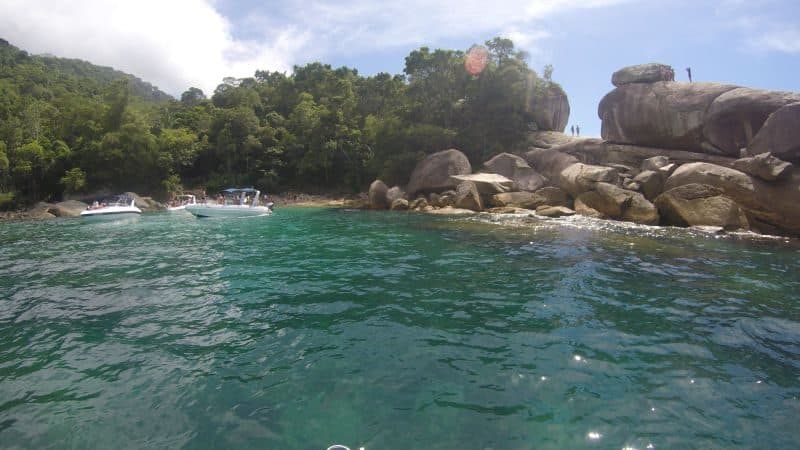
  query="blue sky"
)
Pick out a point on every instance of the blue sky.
point(181, 43)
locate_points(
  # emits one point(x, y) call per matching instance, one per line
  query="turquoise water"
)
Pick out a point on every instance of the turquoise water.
point(389, 330)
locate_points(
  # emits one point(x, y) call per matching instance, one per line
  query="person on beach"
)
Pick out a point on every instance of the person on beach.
point(572, 129)
point(689, 72)
point(577, 130)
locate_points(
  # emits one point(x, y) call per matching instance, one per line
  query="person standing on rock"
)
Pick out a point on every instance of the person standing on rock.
point(689, 71)
point(577, 130)
point(572, 128)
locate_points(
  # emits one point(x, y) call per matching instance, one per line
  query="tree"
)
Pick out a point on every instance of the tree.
point(74, 180)
point(192, 96)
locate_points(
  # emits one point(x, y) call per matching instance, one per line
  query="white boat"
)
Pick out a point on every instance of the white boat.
point(118, 207)
point(234, 202)
point(182, 201)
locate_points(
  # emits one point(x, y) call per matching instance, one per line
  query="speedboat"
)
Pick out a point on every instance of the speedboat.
point(121, 206)
point(233, 202)
point(181, 202)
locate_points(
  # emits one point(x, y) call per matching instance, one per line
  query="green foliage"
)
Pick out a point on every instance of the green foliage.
point(69, 126)
point(74, 180)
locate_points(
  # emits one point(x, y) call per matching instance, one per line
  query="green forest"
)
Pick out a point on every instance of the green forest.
point(69, 128)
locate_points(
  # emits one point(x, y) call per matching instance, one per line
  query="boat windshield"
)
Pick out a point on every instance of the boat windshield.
point(239, 197)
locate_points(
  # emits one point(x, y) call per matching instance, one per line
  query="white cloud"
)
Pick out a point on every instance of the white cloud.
point(783, 40)
point(174, 44)
point(180, 43)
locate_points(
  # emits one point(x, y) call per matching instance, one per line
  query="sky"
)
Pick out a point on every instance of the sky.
point(177, 44)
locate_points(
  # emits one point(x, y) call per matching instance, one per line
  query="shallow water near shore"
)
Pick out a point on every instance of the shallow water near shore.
point(321, 326)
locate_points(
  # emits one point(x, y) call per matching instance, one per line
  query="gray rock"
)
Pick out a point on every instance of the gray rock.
point(549, 162)
point(655, 163)
point(780, 135)
point(580, 177)
point(662, 114)
point(697, 204)
point(487, 183)
point(547, 139)
point(418, 204)
point(69, 208)
point(377, 195)
point(621, 204)
point(468, 197)
point(550, 108)
point(554, 211)
point(399, 204)
point(764, 166)
point(432, 174)
point(517, 170)
point(450, 211)
point(736, 116)
point(651, 183)
point(394, 193)
point(643, 73)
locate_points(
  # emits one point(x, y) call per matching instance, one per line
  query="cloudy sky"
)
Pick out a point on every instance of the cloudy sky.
point(176, 44)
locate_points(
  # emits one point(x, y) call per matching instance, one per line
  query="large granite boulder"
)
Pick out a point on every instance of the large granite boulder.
point(650, 183)
point(736, 116)
point(772, 208)
point(69, 208)
point(780, 135)
point(432, 174)
point(549, 162)
point(547, 139)
point(621, 204)
point(146, 204)
point(394, 193)
point(733, 182)
point(581, 177)
point(468, 197)
point(550, 195)
point(517, 170)
point(700, 205)
point(662, 114)
point(549, 106)
point(487, 183)
point(399, 204)
point(643, 73)
point(764, 166)
point(601, 153)
point(377, 195)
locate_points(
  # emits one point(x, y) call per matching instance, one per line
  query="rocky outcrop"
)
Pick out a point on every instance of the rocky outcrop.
point(394, 193)
point(69, 208)
point(549, 162)
point(780, 135)
point(764, 166)
point(554, 211)
point(620, 204)
point(662, 114)
point(700, 205)
point(146, 204)
point(517, 170)
point(549, 107)
point(580, 177)
point(547, 139)
point(650, 183)
point(399, 204)
point(468, 197)
point(732, 120)
point(551, 196)
point(432, 174)
point(487, 183)
point(643, 73)
point(377, 195)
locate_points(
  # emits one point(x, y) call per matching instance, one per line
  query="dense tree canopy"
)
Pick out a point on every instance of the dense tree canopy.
point(70, 128)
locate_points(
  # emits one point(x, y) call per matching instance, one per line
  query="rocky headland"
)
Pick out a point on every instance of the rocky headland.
point(671, 153)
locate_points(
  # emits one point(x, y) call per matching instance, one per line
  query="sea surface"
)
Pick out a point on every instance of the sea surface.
point(382, 330)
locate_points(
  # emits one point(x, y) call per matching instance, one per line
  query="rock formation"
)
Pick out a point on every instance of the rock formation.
point(707, 155)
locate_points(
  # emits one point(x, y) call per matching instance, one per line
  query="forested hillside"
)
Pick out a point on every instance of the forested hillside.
point(68, 127)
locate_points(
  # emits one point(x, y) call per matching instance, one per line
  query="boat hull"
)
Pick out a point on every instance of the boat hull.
point(228, 210)
point(109, 215)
